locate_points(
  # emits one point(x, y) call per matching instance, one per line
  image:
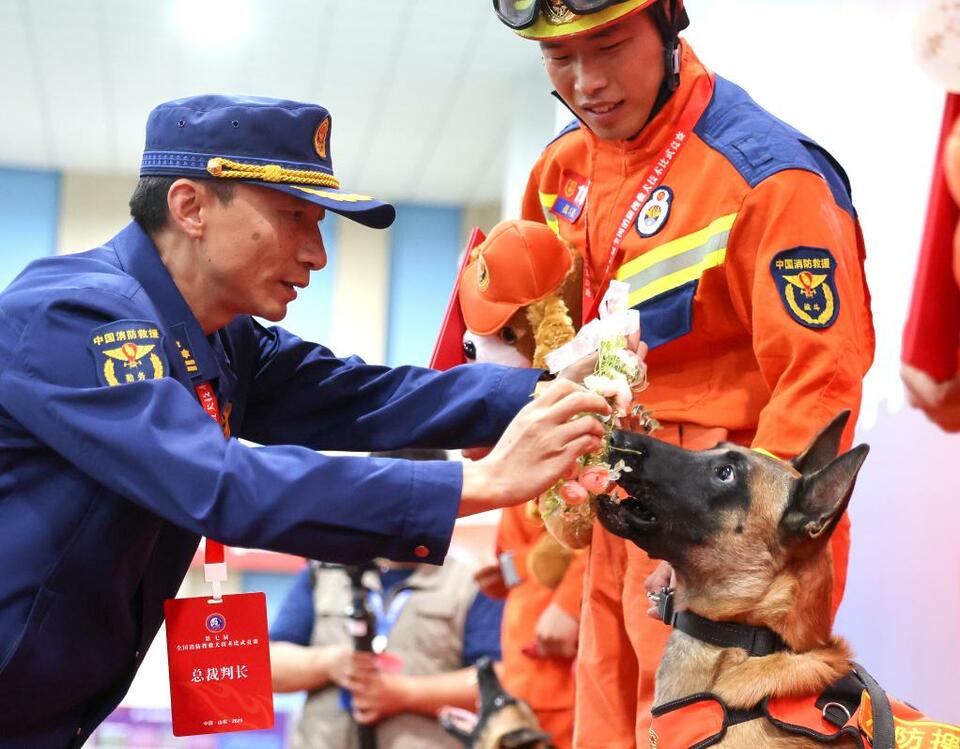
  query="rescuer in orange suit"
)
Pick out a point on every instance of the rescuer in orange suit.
point(743, 253)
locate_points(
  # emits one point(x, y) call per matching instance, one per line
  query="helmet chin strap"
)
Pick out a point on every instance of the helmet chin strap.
point(670, 25)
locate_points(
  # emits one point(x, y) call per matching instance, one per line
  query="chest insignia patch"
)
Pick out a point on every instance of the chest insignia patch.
point(571, 198)
point(128, 351)
point(805, 281)
point(655, 212)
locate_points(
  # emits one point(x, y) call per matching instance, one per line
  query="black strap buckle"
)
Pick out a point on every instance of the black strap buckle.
point(665, 605)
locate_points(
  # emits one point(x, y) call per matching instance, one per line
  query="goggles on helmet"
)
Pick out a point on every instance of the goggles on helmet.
point(519, 14)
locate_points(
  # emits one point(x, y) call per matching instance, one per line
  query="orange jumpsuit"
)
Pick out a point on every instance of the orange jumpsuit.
point(546, 684)
point(748, 274)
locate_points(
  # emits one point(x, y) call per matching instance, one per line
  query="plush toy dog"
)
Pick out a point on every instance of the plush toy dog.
point(520, 294)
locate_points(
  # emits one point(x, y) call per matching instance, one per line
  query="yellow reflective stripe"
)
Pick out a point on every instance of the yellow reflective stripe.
point(546, 201)
point(675, 247)
point(343, 197)
point(677, 262)
point(674, 280)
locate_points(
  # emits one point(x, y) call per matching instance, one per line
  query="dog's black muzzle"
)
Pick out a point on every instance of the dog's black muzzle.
point(633, 517)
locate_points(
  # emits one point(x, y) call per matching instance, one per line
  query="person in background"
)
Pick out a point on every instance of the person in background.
point(433, 625)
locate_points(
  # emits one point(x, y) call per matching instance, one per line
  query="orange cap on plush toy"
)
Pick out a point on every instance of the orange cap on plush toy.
point(521, 262)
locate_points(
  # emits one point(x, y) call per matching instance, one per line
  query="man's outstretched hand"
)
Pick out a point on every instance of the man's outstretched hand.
point(538, 447)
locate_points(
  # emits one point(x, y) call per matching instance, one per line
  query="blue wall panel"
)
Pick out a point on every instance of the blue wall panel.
point(309, 315)
point(424, 247)
point(29, 204)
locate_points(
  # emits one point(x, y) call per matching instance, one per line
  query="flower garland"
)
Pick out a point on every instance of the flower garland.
point(568, 508)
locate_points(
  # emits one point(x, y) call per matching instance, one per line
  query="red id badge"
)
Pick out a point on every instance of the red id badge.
point(219, 663)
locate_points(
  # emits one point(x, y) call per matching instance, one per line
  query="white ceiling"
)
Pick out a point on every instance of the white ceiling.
point(420, 90)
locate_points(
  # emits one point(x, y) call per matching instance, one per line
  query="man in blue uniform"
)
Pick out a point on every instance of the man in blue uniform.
point(113, 360)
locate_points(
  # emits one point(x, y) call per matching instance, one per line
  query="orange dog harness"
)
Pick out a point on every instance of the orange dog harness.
point(846, 708)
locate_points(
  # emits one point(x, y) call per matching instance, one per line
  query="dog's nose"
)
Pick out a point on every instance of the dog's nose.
point(623, 440)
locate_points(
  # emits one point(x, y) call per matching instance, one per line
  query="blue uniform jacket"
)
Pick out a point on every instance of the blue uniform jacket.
point(105, 490)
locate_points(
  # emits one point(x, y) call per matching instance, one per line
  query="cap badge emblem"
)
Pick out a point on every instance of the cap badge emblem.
point(483, 274)
point(557, 12)
point(320, 138)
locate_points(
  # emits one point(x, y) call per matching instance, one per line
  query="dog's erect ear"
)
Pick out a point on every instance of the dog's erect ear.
point(822, 497)
point(824, 447)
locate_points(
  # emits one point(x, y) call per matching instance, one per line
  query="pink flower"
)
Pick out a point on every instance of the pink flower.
point(573, 493)
point(594, 479)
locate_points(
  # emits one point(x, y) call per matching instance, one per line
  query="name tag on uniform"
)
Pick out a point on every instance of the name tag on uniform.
point(572, 196)
point(219, 663)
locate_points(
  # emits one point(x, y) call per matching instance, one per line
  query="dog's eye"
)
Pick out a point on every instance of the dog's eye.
point(508, 335)
point(725, 473)
point(469, 350)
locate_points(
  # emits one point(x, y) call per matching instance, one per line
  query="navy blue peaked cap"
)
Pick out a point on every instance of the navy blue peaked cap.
point(283, 145)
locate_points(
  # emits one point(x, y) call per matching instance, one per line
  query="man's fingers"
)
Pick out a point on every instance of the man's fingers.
point(658, 579)
point(580, 402)
point(359, 680)
point(582, 426)
point(580, 446)
point(554, 391)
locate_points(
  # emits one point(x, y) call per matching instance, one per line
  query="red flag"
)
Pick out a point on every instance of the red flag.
point(932, 333)
point(448, 350)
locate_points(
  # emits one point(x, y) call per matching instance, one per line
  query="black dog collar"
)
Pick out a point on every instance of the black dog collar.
point(757, 641)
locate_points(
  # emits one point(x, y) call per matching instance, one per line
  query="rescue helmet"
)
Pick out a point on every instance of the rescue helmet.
point(546, 20)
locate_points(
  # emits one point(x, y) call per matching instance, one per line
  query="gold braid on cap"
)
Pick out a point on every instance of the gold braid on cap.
point(227, 169)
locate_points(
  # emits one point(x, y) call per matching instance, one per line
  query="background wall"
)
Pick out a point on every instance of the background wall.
point(28, 217)
point(841, 70)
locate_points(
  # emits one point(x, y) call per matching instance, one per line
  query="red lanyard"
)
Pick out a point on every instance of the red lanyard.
point(694, 109)
point(213, 550)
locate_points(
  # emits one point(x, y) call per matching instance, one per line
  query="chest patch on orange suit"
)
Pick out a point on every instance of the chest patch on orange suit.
point(571, 197)
point(655, 212)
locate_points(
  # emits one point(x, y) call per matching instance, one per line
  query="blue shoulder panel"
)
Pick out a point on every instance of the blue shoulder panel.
point(759, 145)
point(574, 124)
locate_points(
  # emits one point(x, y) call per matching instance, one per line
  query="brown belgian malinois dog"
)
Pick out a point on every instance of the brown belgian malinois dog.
point(747, 537)
point(502, 721)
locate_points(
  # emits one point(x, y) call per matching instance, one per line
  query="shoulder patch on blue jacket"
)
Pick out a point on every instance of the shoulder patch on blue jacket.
point(571, 126)
point(759, 145)
point(128, 351)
